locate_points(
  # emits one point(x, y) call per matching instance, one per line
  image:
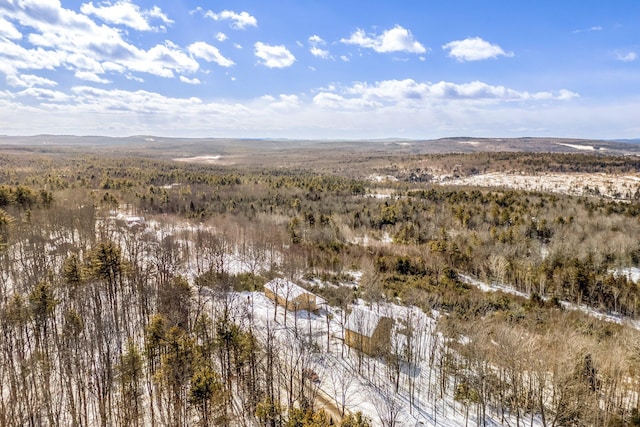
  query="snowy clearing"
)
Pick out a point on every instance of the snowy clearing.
point(621, 187)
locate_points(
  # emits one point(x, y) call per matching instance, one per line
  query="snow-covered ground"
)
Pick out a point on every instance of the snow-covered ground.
point(579, 147)
point(382, 178)
point(368, 240)
point(363, 383)
point(611, 186)
point(491, 287)
point(358, 382)
point(631, 273)
point(607, 317)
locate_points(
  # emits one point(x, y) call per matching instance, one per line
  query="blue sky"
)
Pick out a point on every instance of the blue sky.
point(320, 69)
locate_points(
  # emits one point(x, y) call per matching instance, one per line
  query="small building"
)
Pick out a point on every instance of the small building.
point(368, 331)
point(131, 221)
point(287, 294)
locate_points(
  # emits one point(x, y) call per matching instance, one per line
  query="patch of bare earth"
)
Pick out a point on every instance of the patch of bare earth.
point(207, 160)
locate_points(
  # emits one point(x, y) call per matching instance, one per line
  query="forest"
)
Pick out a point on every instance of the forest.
point(131, 292)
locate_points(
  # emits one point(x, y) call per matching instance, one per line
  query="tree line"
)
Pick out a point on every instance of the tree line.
point(84, 298)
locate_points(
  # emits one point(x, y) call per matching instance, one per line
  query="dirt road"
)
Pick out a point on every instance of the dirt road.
point(328, 405)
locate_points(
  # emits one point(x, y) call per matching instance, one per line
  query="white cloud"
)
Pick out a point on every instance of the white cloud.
point(284, 103)
point(5, 94)
point(61, 40)
point(238, 21)
point(91, 77)
point(14, 57)
point(142, 101)
point(221, 37)
point(84, 62)
point(29, 80)
point(318, 52)
point(409, 91)
point(59, 37)
point(157, 13)
point(366, 110)
point(130, 76)
point(626, 56)
point(44, 94)
point(335, 101)
point(474, 49)
point(164, 60)
point(566, 95)
point(209, 53)
point(316, 40)
point(193, 81)
point(397, 39)
point(274, 56)
point(123, 12)
point(588, 30)
point(112, 66)
point(8, 30)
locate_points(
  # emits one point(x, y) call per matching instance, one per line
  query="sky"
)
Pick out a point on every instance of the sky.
point(321, 69)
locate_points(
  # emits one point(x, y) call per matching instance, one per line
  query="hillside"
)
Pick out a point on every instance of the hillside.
point(132, 275)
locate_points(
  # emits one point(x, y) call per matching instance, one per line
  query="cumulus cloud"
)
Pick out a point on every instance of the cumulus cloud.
point(123, 12)
point(60, 37)
point(131, 77)
point(315, 42)
point(319, 52)
point(193, 81)
point(282, 104)
point(91, 77)
point(397, 39)
point(84, 62)
point(474, 49)
point(274, 56)
point(141, 101)
point(45, 38)
point(626, 56)
point(29, 80)
point(221, 37)
point(334, 101)
point(566, 95)
point(156, 12)
point(237, 21)
point(412, 92)
point(6, 95)
point(44, 94)
point(164, 60)
point(14, 57)
point(372, 109)
point(209, 53)
point(8, 30)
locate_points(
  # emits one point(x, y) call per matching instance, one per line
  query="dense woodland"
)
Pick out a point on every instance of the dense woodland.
point(102, 326)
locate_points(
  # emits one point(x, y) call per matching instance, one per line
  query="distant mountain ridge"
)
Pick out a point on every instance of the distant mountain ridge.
point(628, 141)
point(175, 147)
